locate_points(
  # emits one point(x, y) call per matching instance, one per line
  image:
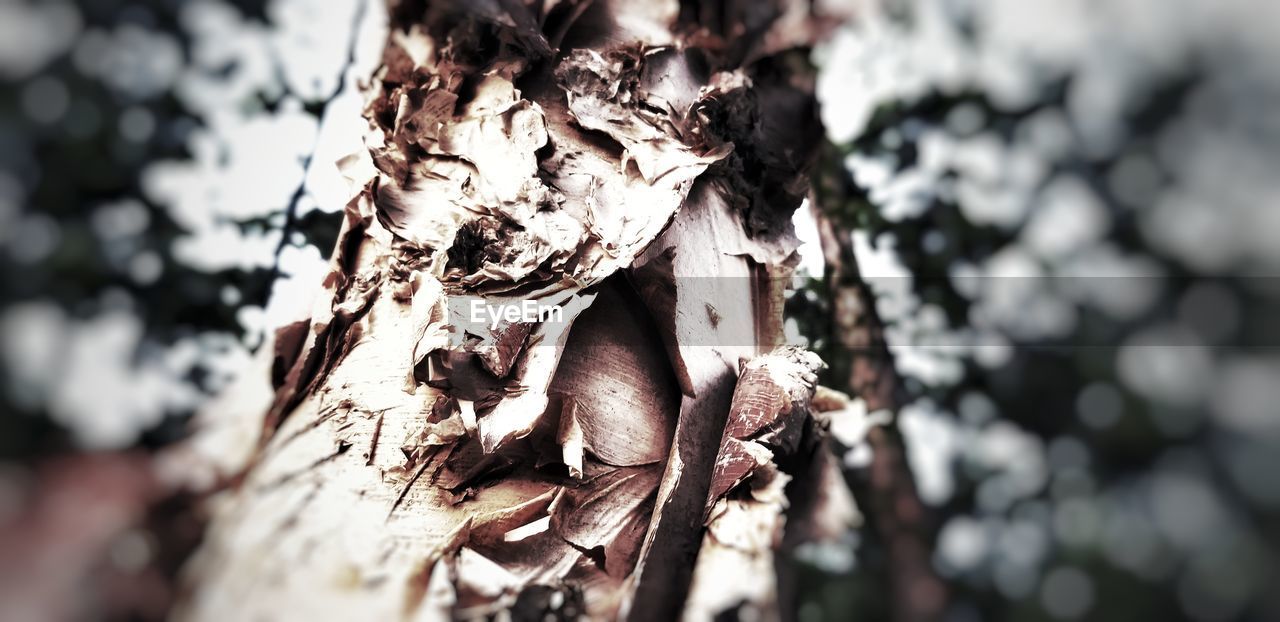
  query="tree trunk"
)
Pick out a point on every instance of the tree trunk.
point(634, 165)
point(886, 490)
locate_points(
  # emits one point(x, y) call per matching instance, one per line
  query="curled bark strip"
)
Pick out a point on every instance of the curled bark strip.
point(766, 418)
point(746, 507)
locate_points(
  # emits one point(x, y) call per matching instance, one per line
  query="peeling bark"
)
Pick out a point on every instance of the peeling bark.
point(635, 165)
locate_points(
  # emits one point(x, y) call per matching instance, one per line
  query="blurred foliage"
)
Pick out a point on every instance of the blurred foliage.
point(88, 157)
point(1039, 387)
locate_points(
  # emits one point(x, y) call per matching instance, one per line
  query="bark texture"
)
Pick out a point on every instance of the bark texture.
point(635, 164)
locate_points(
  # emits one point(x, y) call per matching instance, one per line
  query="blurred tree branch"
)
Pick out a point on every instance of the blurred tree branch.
point(861, 363)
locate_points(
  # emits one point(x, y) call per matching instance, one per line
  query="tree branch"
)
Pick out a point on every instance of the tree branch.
point(860, 357)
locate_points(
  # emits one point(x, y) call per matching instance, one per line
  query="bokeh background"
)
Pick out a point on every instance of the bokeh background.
point(1066, 207)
